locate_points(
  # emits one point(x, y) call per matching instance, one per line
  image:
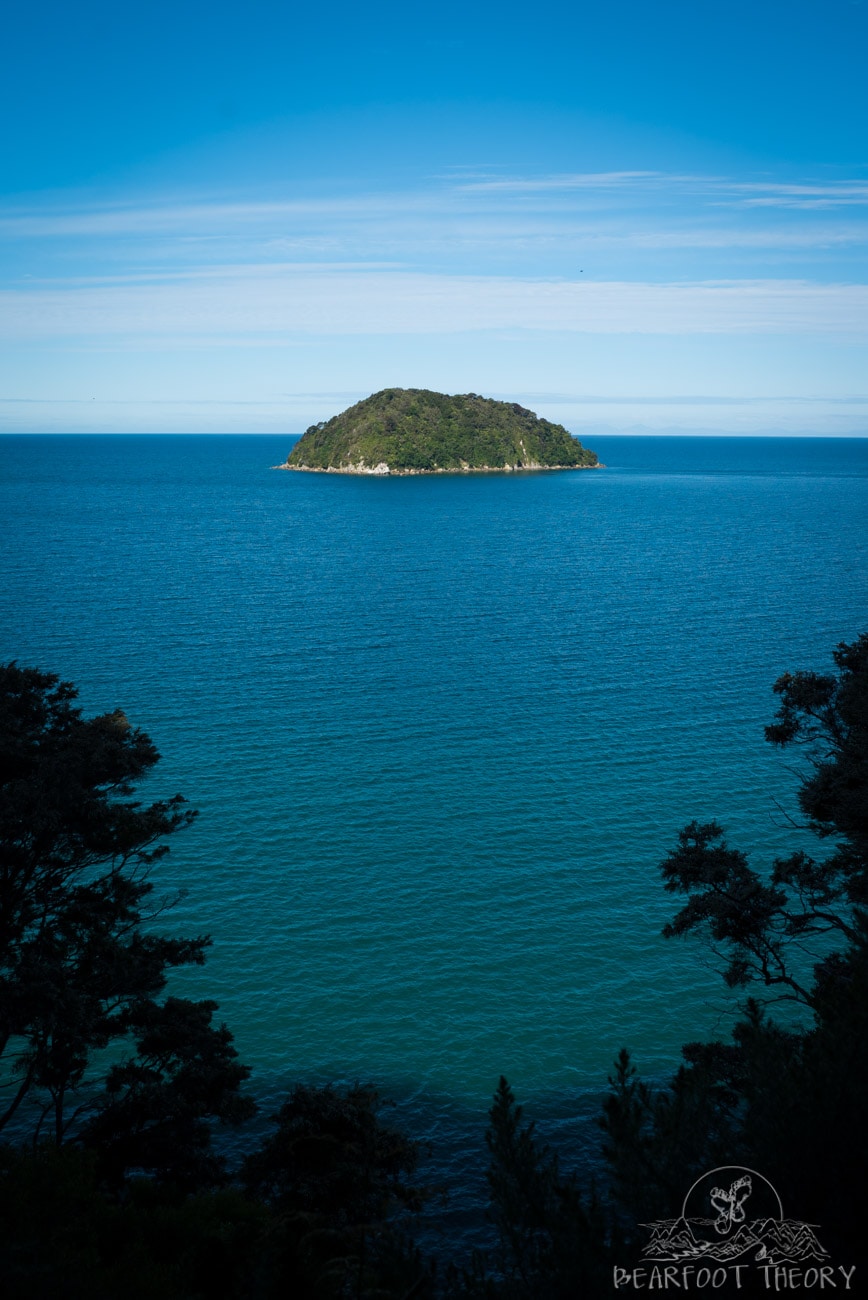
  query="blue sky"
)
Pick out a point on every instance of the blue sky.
point(630, 217)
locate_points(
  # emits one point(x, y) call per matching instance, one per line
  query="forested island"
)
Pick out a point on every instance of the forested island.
point(416, 431)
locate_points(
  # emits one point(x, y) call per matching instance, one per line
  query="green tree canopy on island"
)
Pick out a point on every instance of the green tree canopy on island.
point(413, 430)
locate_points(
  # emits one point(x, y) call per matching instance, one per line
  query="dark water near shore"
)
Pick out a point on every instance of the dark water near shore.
point(442, 730)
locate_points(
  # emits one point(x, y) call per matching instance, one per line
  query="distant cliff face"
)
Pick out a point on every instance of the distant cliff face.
point(414, 431)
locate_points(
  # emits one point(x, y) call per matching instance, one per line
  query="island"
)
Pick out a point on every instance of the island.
point(416, 431)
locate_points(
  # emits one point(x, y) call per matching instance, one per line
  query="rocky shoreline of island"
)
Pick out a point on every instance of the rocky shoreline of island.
point(383, 470)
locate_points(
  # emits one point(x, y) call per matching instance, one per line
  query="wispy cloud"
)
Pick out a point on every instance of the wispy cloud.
point(587, 415)
point(751, 193)
point(194, 232)
point(805, 197)
point(613, 227)
point(292, 299)
point(523, 277)
point(565, 181)
point(180, 214)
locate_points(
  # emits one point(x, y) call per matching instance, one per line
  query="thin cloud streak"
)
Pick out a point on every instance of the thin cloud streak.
point(480, 197)
point(622, 282)
point(410, 231)
point(275, 301)
point(567, 181)
point(349, 396)
point(767, 191)
point(167, 216)
point(292, 412)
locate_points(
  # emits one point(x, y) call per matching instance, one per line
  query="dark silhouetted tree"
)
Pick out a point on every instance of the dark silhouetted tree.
point(552, 1241)
point(339, 1181)
point(79, 968)
point(784, 1099)
point(62, 1238)
point(764, 927)
point(156, 1109)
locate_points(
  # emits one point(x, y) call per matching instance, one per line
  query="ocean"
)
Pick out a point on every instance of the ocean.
point(442, 730)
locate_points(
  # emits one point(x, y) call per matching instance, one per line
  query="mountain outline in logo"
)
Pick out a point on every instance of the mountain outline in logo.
point(724, 1233)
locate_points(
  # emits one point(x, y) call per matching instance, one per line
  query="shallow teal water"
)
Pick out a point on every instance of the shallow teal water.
point(442, 730)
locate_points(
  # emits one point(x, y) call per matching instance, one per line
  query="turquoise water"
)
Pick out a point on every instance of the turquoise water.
point(442, 730)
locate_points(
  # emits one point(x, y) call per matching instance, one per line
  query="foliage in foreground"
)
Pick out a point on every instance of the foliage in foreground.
point(128, 1197)
point(81, 971)
point(336, 1179)
point(321, 1212)
point(787, 1102)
